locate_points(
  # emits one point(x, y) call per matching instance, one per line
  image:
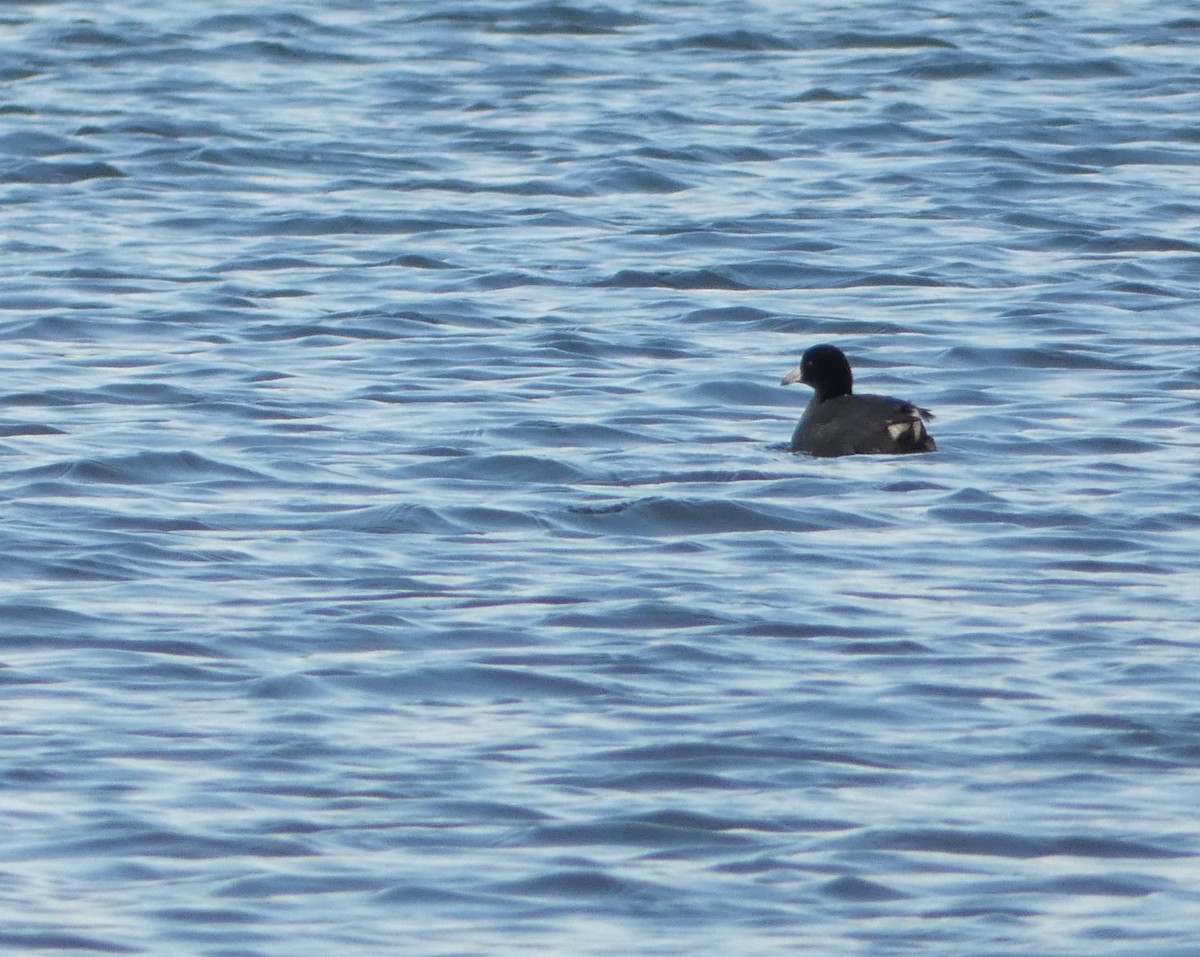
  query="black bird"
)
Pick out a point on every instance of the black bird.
point(838, 422)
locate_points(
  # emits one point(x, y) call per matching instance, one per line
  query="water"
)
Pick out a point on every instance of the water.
point(401, 550)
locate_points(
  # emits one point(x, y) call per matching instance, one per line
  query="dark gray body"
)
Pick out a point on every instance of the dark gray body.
point(862, 425)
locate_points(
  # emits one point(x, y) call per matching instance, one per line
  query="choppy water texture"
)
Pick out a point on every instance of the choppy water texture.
point(401, 551)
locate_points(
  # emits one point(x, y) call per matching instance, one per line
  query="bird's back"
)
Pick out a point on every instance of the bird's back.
point(862, 425)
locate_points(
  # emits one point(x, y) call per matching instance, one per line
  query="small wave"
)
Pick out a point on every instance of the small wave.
point(500, 468)
point(822, 94)
point(412, 261)
point(860, 890)
point(784, 274)
point(898, 279)
point(985, 844)
point(569, 435)
point(647, 614)
point(1094, 885)
point(540, 18)
point(155, 468)
point(577, 884)
point(887, 41)
point(1140, 244)
point(735, 315)
point(41, 618)
point(58, 173)
point(649, 832)
point(470, 682)
point(282, 885)
point(954, 65)
point(12, 429)
point(265, 264)
point(670, 279)
point(290, 51)
point(172, 127)
point(652, 517)
point(306, 224)
point(421, 519)
point(406, 895)
point(392, 519)
point(266, 23)
point(508, 279)
point(37, 143)
point(62, 941)
point(872, 135)
point(731, 40)
point(1046, 356)
point(633, 178)
point(1101, 68)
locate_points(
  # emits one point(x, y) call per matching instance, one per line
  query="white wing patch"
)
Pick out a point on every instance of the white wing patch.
point(912, 428)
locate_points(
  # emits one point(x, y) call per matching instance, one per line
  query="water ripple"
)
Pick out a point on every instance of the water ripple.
point(401, 540)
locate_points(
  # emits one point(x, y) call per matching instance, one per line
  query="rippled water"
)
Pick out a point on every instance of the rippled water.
point(401, 549)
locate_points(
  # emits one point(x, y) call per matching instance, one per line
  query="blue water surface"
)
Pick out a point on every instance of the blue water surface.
point(401, 549)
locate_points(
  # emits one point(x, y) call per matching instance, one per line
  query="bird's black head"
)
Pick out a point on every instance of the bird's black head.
point(826, 369)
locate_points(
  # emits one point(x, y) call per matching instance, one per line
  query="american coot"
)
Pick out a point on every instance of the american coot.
point(837, 422)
